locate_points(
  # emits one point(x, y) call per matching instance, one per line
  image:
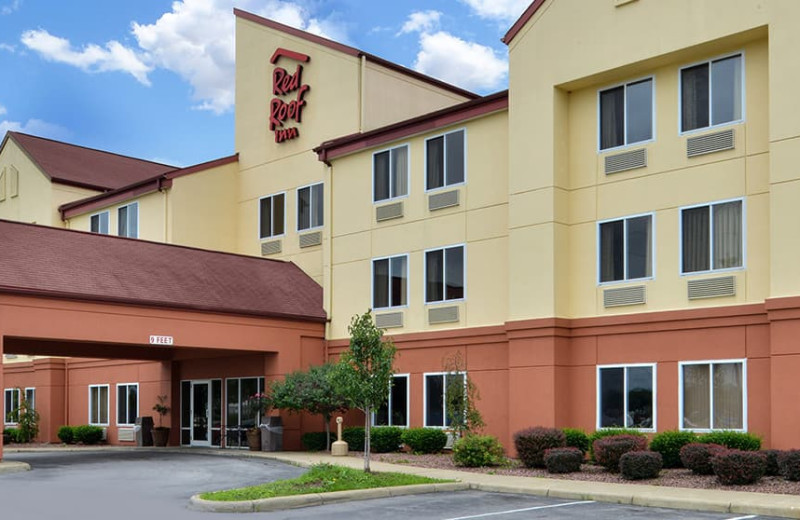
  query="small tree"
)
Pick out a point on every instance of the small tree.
point(365, 371)
point(312, 391)
point(28, 421)
point(461, 395)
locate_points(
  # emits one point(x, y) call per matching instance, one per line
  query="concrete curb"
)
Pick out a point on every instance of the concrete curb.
point(14, 467)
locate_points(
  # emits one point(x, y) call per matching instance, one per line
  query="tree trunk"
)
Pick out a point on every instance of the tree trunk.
point(367, 422)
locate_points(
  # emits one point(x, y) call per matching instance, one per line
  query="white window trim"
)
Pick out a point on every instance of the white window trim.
point(285, 198)
point(425, 274)
point(444, 395)
point(107, 212)
point(6, 412)
point(711, 269)
point(389, 403)
point(116, 396)
point(407, 146)
point(652, 252)
point(712, 362)
point(372, 282)
point(710, 101)
point(297, 207)
point(138, 230)
point(653, 367)
point(425, 161)
point(108, 405)
point(653, 112)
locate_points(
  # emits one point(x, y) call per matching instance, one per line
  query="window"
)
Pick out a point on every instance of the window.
point(394, 412)
point(272, 213)
point(11, 406)
point(445, 160)
point(99, 223)
point(435, 402)
point(713, 395)
point(444, 274)
point(711, 93)
point(390, 282)
point(626, 396)
point(98, 404)
point(128, 221)
point(390, 173)
point(309, 207)
point(237, 416)
point(626, 114)
point(626, 249)
point(127, 403)
point(30, 398)
point(712, 237)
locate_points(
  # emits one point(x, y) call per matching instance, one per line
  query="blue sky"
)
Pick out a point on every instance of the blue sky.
point(154, 79)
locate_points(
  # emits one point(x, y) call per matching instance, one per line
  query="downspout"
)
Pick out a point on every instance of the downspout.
point(327, 277)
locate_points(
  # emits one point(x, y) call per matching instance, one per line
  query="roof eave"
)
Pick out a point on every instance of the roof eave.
point(521, 21)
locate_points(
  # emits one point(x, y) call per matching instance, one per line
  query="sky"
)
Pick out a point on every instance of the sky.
point(154, 79)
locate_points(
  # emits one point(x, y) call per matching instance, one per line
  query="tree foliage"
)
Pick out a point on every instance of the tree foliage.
point(461, 396)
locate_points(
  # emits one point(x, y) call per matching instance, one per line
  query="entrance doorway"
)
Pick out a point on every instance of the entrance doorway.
point(201, 412)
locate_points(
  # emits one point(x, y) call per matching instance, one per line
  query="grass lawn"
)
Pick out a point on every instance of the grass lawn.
point(321, 478)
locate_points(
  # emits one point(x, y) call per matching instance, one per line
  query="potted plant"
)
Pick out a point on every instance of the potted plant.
point(256, 406)
point(161, 432)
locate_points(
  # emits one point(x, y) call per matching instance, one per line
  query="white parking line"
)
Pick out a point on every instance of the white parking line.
point(743, 517)
point(510, 511)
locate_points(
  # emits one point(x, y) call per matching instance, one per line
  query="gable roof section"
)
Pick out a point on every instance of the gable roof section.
point(50, 262)
point(74, 165)
point(352, 51)
point(522, 20)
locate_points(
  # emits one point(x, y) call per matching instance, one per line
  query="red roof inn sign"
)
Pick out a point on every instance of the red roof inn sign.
point(284, 108)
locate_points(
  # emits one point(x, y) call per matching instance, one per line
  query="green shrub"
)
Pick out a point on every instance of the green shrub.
point(563, 460)
point(737, 467)
point(477, 451)
point(638, 465)
point(532, 442)
point(608, 432)
point(13, 434)
point(385, 439)
point(577, 439)
point(608, 450)
point(315, 441)
point(669, 445)
point(789, 464)
point(697, 456)
point(66, 434)
point(88, 434)
point(771, 456)
point(733, 440)
point(354, 437)
point(425, 440)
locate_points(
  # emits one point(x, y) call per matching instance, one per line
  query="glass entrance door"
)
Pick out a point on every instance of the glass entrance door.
point(201, 413)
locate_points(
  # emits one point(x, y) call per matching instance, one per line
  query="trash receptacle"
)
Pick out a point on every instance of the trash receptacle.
point(272, 434)
point(143, 430)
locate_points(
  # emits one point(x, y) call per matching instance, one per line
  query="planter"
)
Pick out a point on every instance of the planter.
point(254, 439)
point(160, 436)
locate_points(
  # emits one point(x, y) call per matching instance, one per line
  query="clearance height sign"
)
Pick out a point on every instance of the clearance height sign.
point(288, 93)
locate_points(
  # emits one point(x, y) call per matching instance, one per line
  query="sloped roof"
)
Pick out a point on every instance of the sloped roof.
point(84, 167)
point(521, 21)
point(52, 262)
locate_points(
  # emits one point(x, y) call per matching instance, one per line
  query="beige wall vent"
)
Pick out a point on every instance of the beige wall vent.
point(3, 184)
point(389, 320)
point(442, 315)
point(273, 247)
point(311, 239)
point(389, 211)
point(126, 435)
point(710, 143)
point(13, 182)
point(621, 162)
point(712, 287)
point(443, 200)
point(634, 295)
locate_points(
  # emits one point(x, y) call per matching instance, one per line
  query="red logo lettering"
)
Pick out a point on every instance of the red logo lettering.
point(281, 110)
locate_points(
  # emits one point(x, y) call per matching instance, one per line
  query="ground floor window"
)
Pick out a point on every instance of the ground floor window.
point(127, 404)
point(713, 395)
point(626, 396)
point(435, 398)
point(11, 406)
point(237, 416)
point(98, 405)
point(395, 411)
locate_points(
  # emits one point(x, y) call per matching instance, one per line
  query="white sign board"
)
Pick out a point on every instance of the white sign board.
point(161, 340)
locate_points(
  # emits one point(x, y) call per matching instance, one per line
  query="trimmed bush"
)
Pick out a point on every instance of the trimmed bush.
point(789, 464)
point(577, 438)
point(737, 467)
point(66, 434)
point(696, 456)
point(608, 450)
point(771, 456)
point(354, 437)
point(609, 432)
point(13, 435)
point(315, 441)
point(88, 434)
point(532, 442)
point(563, 460)
point(669, 445)
point(385, 439)
point(733, 440)
point(477, 451)
point(639, 465)
point(425, 440)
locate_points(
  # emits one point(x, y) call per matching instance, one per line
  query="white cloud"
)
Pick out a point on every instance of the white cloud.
point(501, 10)
point(2, 110)
point(35, 127)
point(10, 8)
point(467, 64)
point(7, 47)
point(421, 21)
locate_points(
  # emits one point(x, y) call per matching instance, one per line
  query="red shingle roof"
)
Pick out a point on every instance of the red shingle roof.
point(75, 165)
point(51, 262)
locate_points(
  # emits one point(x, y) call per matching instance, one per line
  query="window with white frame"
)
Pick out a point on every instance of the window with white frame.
point(127, 403)
point(444, 274)
point(712, 237)
point(98, 404)
point(712, 93)
point(626, 248)
point(713, 395)
point(626, 114)
point(11, 405)
point(436, 397)
point(626, 396)
point(128, 221)
point(30, 398)
point(394, 412)
point(445, 160)
point(98, 223)
point(390, 282)
point(309, 207)
point(272, 215)
point(390, 173)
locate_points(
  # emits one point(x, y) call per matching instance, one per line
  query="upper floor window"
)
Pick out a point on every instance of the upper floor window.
point(713, 395)
point(272, 215)
point(394, 412)
point(444, 274)
point(98, 404)
point(390, 282)
point(99, 223)
point(626, 114)
point(712, 237)
point(128, 221)
point(626, 249)
point(127, 403)
point(626, 396)
point(390, 173)
point(445, 160)
point(309, 207)
point(711, 93)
